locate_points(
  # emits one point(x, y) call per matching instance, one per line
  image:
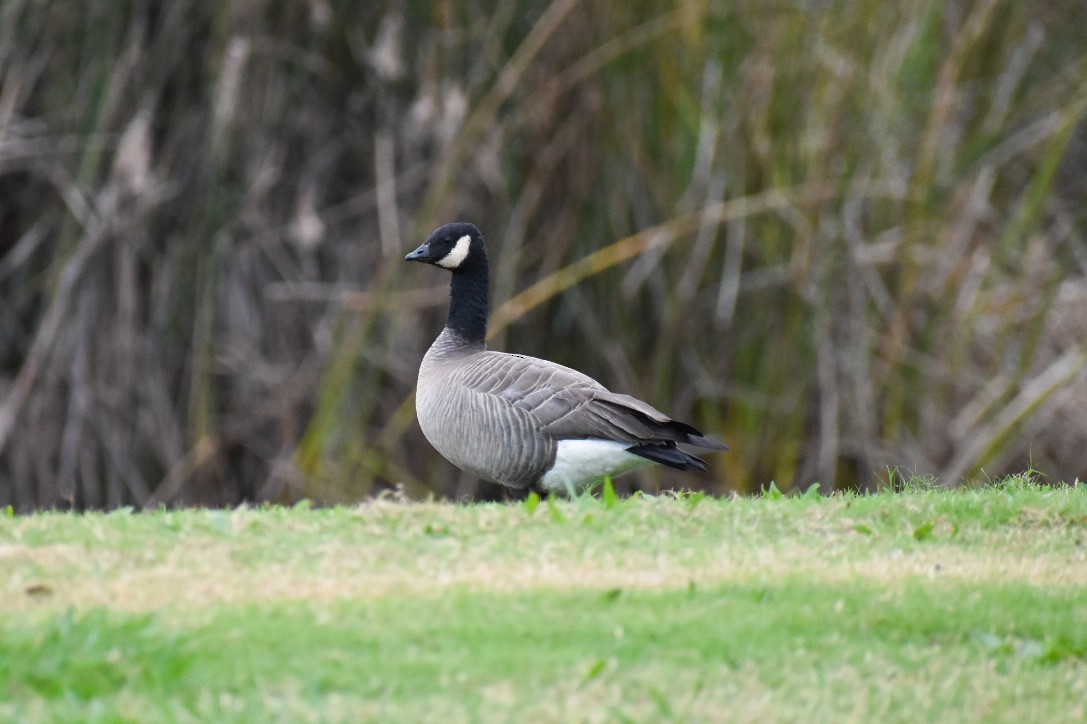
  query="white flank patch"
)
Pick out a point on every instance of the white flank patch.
point(579, 463)
point(458, 254)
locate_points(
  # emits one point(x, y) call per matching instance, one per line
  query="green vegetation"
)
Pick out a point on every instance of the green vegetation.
point(841, 236)
point(924, 605)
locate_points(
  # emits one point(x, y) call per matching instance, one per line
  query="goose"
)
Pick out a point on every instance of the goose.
point(520, 421)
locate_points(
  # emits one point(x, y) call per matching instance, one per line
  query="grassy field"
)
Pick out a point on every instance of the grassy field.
point(917, 606)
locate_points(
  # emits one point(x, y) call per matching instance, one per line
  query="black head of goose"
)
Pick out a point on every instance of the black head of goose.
point(525, 422)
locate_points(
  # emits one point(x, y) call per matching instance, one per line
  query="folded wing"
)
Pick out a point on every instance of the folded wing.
point(568, 404)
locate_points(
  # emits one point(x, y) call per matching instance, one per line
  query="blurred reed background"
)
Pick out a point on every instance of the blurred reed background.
point(848, 237)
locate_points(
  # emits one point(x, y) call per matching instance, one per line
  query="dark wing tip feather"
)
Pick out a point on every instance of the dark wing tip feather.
point(669, 455)
point(708, 443)
point(691, 435)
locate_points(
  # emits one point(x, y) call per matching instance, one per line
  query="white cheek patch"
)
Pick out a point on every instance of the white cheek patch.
point(458, 254)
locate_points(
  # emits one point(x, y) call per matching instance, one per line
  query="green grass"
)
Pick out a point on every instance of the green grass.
point(923, 605)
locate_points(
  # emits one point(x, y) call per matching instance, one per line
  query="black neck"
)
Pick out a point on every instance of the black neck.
point(468, 299)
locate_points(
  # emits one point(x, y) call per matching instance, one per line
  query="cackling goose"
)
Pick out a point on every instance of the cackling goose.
point(525, 422)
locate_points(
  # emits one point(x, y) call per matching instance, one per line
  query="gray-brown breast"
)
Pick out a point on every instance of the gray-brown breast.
point(474, 427)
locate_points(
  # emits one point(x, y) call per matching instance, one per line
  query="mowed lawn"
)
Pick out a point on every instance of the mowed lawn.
point(919, 606)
